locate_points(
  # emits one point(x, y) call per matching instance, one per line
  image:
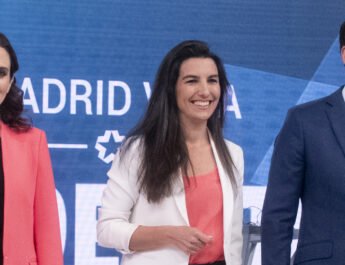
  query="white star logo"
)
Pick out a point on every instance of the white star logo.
point(105, 139)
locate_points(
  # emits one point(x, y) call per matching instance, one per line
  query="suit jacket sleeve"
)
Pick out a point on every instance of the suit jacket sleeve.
point(46, 218)
point(283, 192)
point(114, 229)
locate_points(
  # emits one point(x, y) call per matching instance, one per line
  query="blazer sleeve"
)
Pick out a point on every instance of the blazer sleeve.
point(237, 221)
point(283, 192)
point(46, 218)
point(114, 229)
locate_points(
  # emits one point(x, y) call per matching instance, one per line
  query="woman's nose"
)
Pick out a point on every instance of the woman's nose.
point(204, 89)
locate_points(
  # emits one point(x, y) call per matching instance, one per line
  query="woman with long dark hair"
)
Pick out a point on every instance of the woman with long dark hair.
point(174, 194)
point(29, 221)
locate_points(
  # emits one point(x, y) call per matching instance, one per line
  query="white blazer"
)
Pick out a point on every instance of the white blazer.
point(124, 208)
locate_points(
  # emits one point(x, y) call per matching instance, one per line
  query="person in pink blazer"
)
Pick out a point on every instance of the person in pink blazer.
point(30, 232)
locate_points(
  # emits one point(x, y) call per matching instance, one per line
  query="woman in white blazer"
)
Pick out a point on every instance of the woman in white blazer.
point(174, 194)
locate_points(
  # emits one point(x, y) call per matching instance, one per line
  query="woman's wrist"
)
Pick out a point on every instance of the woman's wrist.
point(151, 237)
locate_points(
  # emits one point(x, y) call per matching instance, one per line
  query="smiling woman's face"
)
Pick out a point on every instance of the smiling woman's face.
point(197, 90)
point(5, 79)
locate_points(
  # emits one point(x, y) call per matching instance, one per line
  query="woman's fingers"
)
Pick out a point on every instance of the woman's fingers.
point(196, 240)
point(190, 240)
point(203, 238)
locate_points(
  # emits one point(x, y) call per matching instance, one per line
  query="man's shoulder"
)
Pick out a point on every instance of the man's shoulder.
point(315, 106)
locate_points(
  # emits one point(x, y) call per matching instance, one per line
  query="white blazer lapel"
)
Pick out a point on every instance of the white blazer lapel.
point(180, 198)
point(228, 195)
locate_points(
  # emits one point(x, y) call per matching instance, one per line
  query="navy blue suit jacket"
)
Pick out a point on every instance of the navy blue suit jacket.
point(308, 163)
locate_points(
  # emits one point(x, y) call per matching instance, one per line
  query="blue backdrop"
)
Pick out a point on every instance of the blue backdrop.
point(87, 68)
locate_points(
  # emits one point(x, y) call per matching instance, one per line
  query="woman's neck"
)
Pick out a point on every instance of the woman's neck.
point(195, 135)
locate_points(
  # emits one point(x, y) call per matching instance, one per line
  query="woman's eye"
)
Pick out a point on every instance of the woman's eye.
point(3, 73)
point(191, 81)
point(213, 80)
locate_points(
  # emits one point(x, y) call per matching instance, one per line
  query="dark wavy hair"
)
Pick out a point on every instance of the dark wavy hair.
point(11, 109)
point(164, 148)
point(342, 35)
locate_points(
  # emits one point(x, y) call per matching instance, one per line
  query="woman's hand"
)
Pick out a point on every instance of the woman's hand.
point(188, 239)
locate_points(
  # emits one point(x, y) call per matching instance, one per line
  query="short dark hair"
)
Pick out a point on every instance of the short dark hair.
point(342, 35)
point(12, 107)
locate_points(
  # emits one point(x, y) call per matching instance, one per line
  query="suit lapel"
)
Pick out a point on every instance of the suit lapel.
point(7, 154)
point(17, 161)
point(336, 115)
point(228, 197)
point(180, 198)
point(11, 167)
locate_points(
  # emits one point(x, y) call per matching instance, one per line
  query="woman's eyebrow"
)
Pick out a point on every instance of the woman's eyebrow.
point(189, 76)
point(213, 76)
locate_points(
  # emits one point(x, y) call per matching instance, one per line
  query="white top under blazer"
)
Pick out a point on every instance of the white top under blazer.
point(124, 208)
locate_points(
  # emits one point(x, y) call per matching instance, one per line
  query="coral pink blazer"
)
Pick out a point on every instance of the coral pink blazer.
point(31, 221)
